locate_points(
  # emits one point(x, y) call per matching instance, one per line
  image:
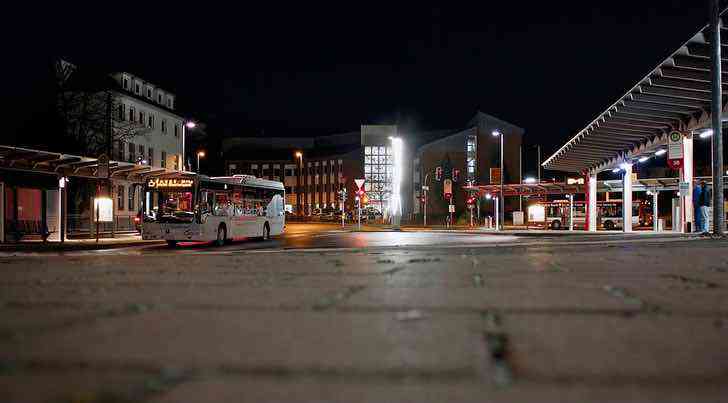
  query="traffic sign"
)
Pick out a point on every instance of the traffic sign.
point(495, 175)
point(675, 149)
point(103, 170)
point(447, 186)
point(451, 208)
point(359, 182)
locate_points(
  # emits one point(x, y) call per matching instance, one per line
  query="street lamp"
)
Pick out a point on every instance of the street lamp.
point(501, 200)
point(190, 124)
point(200, 154)
point(299, 157)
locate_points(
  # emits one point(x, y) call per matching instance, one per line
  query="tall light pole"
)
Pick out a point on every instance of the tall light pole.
point(188, 125)
point(200, 154)
point(501, 199)
point(299, 162)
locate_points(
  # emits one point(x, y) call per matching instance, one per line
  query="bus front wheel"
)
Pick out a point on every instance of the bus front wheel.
point(555, 224)
point(221, 235)
point(608, 225)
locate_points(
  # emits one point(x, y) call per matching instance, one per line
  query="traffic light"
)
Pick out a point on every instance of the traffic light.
point(455, 175)
point(448, 196)
point(438, 173)
point(470, 200)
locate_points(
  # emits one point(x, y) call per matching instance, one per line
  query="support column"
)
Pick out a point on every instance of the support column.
point(2, 212)
point(716, 109)
point(627, 198)
point(591, 202)
point(686, 175)
point(655, 210)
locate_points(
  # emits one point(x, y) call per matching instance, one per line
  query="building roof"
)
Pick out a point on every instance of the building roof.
point(675, 95)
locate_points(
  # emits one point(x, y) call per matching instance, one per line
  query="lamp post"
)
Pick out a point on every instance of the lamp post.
point(200, 154)
point(501, 200)
point(187, 126)
point(299, 162)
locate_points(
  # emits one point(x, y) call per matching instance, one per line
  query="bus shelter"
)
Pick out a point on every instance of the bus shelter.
point(34, 190)
point(657, 120)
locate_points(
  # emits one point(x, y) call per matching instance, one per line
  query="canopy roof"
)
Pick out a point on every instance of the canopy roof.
point(25, 159)
point(674, 96)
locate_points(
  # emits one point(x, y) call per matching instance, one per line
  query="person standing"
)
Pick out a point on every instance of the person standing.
point(705, 197)
point(698, 218)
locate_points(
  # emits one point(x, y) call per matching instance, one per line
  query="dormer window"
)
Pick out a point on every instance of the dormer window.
point(137, 88)
point(125, 82)
point(170, 103)
point(149, 92)
point(159, 98)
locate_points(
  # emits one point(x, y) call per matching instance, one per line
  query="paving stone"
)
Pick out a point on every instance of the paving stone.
point(262, 390)
point(272, 341)
point(600, 347)
point(526, 297)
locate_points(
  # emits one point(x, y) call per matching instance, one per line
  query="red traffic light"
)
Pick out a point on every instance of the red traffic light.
point(471, 200)
point(455, 175)
point(448, 196)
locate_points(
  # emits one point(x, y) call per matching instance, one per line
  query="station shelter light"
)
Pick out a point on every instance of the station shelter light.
point(643, 159)
point(529, 179)
point(615, 170)
point(706, 133)
point(488, 196)
point(661, 151)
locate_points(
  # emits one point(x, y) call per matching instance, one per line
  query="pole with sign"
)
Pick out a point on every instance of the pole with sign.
point(675, 150)
point(359, 185)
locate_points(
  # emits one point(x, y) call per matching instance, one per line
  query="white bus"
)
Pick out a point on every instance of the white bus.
point(189, 207)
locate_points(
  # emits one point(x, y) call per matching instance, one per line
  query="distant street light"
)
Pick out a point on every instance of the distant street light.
point(190, 124)
point(529, 179)
point(200, 154)
point(299, 207)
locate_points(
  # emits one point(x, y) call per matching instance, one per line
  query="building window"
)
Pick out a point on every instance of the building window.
point(132, 150)
point(141, 117)
point(125, 81)
point(163, 161)
point(378, 174)
point(289, 171)
point(288, 189)
point(159, 98)
point(120, 150)
point(131, 206)
point(176, 130)
point(277, 173)
point(122, 112)
point(164, 126)
point(471, 152)
point(149, 92)
point(150, 158)
point(141, 153)
point(176, 162)
point(120, 198)
point(150, 121)
point(169, 102)
point(131, 114)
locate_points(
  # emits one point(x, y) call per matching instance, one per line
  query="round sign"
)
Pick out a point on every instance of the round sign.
point(675, 136)
point(675, 164)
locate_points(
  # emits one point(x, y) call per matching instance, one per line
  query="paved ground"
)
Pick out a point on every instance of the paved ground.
point(328, 316)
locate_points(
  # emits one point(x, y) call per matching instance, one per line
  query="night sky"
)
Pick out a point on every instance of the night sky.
point(315, 69)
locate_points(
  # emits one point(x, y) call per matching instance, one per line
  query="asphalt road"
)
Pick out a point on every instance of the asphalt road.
point(325, 316)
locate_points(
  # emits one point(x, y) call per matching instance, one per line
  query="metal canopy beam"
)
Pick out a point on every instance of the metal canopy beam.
point(687, 74)
point(630, 121)
point(676, 93)
point(665, 100)
point(685, 110)
point(645, 118)
point(695, 63)
point(633, 110)
point(670, 82)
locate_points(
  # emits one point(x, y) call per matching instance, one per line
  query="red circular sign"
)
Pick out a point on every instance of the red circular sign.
point(675, 163)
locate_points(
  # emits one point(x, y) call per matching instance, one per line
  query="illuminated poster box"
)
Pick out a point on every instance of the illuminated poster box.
point(103, 209)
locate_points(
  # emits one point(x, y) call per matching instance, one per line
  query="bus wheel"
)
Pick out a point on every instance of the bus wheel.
point(266, 232)
point(608, 225)
point(555, 224)
point(221, 235)
point(171, 243)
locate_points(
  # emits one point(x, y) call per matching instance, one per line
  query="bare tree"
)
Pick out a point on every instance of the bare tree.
point(90, 111)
